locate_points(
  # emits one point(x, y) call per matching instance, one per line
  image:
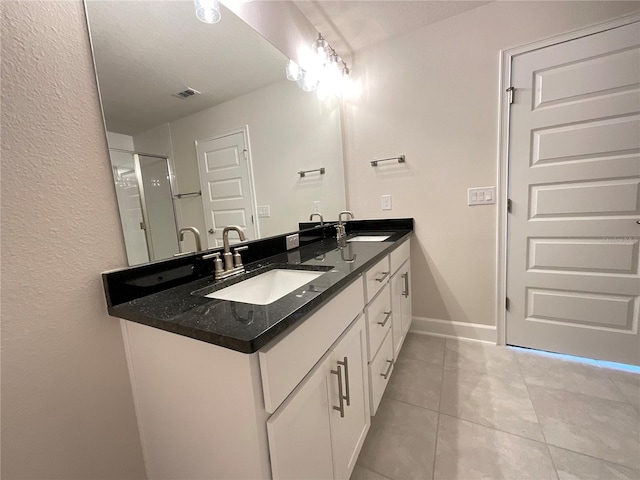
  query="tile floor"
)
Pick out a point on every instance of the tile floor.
point(467, 410)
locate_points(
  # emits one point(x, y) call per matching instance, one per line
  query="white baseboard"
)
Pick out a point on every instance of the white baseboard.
point(451, 329)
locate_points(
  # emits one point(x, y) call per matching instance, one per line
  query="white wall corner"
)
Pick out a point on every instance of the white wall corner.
point(452, 329)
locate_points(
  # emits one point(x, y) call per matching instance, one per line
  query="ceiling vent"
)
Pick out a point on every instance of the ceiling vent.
point(189, 92)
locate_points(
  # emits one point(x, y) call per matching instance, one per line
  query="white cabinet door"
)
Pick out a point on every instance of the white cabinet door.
point(315, 434)
point(300, 430)
point(397, 286)
point(401, 305)
point(349, 430)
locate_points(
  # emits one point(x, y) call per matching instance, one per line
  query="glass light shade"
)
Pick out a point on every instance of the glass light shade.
point(294, 72)
point(208, 11)
point(308, 82)
point(321, 50)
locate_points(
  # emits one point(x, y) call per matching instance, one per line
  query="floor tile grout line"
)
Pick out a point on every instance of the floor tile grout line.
point(535, 412)
point(624, 402)
point(622, 395)
point(372, 470)
point(493, 428)
point(594, 458)
point(568, 449)
point(435, 443)
point(390, 396)
point(498, 430)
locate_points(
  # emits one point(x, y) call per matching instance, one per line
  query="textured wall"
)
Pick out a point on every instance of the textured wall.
point(67, 408)
point(432, 94)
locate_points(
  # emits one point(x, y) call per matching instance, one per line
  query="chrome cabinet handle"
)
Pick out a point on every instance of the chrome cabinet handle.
point(386, 374)
point(211, 231)
point(406, 284)
point(386, 319)
point(345, 363)
point(340, 409)
point(384, 275)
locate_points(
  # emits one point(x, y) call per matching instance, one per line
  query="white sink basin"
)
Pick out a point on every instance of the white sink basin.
point(267, 287)
point(369, 238)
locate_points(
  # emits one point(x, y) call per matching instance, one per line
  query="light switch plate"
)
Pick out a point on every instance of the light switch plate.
point(386, 202)
point(481, 196)
point(264, 211)
point(293, 241)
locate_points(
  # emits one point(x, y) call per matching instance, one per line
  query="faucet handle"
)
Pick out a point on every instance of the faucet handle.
point(217, 261)
point(237, 259)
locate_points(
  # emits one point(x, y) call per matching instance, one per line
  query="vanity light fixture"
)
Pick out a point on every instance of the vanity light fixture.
point(323, 71)
point(208, 11)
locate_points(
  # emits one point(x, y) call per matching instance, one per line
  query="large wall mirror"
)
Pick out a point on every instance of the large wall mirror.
point(205, 130)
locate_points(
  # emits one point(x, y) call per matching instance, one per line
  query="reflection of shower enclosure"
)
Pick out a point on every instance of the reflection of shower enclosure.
point(145, 201)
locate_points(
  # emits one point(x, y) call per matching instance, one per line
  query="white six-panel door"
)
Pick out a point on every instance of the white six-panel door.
point(574, 174)
point(227, 186)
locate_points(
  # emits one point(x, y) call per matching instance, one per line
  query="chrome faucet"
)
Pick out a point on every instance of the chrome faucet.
point(319, 215)
point(340, 230)
point(232, 262)
point(196, 234)
point(228, 261)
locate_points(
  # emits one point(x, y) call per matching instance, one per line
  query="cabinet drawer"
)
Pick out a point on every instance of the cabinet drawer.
point(379, 320)
point(285, 363)
point(400, 255)
point(376, 277)
point(380, 372)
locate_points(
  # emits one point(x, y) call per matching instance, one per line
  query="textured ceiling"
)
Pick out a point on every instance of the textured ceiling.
point(147, 50)
point(350, 26)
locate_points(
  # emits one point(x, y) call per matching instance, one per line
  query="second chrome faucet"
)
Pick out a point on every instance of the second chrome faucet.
point(232, 262)
point(341, 232)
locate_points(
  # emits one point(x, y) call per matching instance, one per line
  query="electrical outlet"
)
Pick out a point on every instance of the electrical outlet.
point(316, 207)
point(293, 241)
point(481, 196)
point(386, 202)
point(264, 211)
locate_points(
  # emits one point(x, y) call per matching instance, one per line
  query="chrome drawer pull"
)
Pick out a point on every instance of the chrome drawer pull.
point(386, 319)
point(384, 275)
point(345, 362)
point(341, 407)
point(406, 284)
point(386, 374)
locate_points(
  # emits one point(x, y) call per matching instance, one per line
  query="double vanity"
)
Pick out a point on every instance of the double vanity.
point(274, 373)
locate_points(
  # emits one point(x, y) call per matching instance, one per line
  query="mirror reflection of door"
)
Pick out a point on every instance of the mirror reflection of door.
point(227, 186)
point(145, 202)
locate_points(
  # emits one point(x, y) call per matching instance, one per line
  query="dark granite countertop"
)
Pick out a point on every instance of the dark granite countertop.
point(185, 310)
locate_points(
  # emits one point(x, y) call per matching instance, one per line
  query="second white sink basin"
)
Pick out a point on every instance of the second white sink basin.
point(267, 287)
point(369, 238)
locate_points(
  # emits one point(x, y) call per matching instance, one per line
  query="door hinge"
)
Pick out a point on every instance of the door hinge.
point(506, 303)
point(510, 91)
point(252, 219)
point(509, 203)
point(245, 152)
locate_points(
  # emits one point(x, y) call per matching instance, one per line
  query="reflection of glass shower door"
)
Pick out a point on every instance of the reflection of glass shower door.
point(157, 206)
point(145, 202)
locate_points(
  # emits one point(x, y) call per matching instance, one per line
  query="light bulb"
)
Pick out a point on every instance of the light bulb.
point(208, 11)
point(320, 48)
point(308, 82)
point(294, 72)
